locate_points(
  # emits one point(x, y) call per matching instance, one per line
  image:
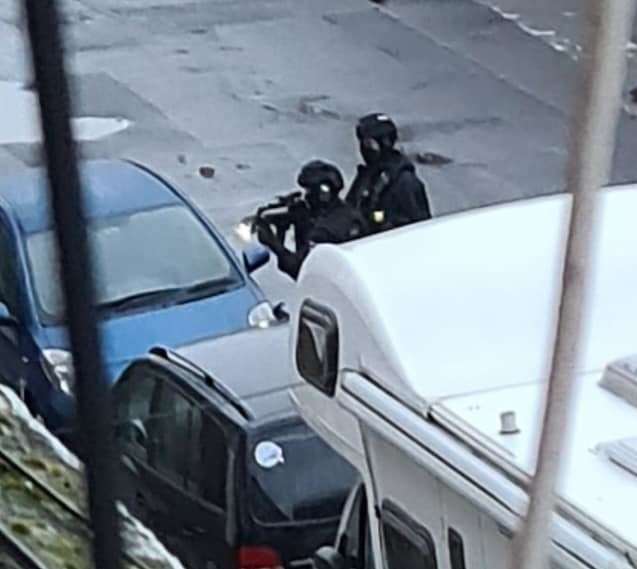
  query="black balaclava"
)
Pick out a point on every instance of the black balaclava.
point(370, 150)
point(377, 135)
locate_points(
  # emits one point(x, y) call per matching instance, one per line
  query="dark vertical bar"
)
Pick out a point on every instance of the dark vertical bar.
point(77, 277)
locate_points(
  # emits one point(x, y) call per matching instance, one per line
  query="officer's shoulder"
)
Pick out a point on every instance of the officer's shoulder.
point(398, 163)
point(405, 163)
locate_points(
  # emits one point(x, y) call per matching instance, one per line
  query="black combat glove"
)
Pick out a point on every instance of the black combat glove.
point(266, 236)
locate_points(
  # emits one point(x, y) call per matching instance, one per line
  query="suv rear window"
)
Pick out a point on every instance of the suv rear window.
point(310, 483)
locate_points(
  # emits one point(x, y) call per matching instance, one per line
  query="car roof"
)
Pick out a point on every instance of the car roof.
point(111, 188)
point(252, 364)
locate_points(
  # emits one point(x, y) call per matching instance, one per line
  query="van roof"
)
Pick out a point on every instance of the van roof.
point(456, 318)
point(468, 302)
point(599, 472)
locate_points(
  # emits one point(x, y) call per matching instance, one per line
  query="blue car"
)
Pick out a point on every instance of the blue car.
point(164, 275)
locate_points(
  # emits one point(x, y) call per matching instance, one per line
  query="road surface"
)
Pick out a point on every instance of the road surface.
point(254, 88)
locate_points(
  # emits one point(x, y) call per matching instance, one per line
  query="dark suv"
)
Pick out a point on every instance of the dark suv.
point(216, 460)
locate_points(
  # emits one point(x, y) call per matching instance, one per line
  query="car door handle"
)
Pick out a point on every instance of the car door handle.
point(192, 531)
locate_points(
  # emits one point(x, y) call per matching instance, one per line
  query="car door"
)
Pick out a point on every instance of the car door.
point(132, 400)
point(206, 524)
point(175, 464)
point(189, 480)
point(12, 335)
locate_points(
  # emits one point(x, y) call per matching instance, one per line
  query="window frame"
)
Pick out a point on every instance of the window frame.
point(415, 533)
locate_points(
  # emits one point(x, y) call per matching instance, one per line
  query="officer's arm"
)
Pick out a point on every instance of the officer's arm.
point(289, 263)
point(319, 234)
point(353, 195)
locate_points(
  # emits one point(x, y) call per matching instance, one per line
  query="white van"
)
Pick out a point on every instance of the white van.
point(423, 355)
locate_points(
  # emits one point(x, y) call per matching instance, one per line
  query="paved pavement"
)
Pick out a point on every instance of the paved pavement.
point(256, 87)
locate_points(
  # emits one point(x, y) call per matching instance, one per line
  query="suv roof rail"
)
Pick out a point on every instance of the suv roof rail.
point(210, 381)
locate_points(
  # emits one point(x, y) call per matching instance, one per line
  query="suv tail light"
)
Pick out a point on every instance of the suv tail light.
point(258, 557)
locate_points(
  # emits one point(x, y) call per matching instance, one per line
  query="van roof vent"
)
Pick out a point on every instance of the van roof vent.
point(620, 378)
point(622, 452)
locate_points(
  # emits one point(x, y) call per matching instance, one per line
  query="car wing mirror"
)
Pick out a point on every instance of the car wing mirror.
point(328, 558)
point(281, 312)
point(255, 256)
point(6, 318)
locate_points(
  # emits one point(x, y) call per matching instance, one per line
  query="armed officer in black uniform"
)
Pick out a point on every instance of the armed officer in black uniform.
point(386, 191)
point(329, 219)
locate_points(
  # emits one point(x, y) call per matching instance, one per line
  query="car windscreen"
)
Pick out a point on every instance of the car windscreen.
point(294, 477)
point(141, 259)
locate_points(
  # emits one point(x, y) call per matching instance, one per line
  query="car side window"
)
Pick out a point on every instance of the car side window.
point(8, 275)
point(355, 544)
point(209, 463)
point(171, 433)
point(407, 544)
point(133, 399)
point(189, 447)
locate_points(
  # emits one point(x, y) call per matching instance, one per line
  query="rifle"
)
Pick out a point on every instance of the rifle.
point(282, 213)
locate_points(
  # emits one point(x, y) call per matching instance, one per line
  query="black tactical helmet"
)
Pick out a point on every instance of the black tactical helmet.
point(322, 182)
point(316, 173)
point(377, 127)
